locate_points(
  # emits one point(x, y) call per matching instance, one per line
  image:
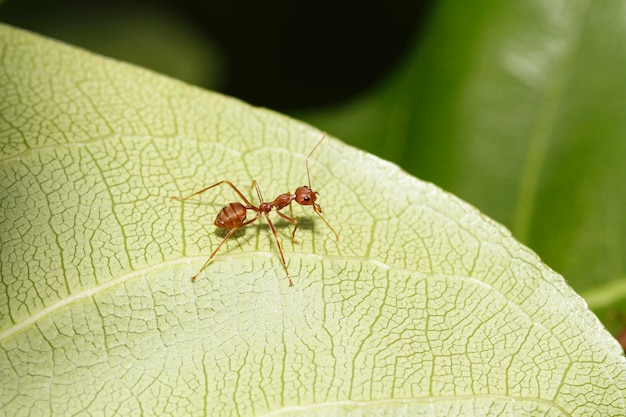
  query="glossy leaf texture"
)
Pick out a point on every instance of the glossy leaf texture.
point(424, 307)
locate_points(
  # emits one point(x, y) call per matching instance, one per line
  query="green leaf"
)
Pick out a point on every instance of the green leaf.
point(424, 307)
point(518, 108)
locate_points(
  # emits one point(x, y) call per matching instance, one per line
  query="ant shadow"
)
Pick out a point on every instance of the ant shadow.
point(261, 226)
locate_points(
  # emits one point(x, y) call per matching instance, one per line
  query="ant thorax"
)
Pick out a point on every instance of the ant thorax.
point(279, 203)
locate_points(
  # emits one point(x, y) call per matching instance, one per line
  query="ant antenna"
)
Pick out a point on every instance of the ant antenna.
point(306, 162)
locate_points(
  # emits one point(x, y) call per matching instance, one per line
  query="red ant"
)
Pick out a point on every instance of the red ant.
point(233, 215)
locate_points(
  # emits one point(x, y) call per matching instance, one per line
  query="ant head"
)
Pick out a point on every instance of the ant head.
point(306, 197)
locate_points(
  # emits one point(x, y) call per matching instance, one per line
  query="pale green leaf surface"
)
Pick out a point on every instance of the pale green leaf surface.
point(425, 306)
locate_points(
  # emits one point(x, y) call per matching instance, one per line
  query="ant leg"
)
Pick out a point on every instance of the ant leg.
point(280, 249)
point(293, 221)
point(230, 184)
point(327, 224)
point(208, 261)
point(229, 234)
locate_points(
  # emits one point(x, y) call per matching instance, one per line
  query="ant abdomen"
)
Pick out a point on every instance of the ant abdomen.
point(231, 215)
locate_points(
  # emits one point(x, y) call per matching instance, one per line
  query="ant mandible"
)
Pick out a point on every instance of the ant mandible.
point(233, 215)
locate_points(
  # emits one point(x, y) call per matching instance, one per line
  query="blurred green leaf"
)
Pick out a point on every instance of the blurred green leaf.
point(520, 109)
point(157, 37)
point(425, 307)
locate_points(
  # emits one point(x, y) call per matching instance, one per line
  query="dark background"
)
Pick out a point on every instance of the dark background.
point(279, 54)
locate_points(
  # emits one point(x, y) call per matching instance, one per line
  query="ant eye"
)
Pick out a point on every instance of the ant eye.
point(307, 198)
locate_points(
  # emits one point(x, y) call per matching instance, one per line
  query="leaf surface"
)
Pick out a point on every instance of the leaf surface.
point(424, 307)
